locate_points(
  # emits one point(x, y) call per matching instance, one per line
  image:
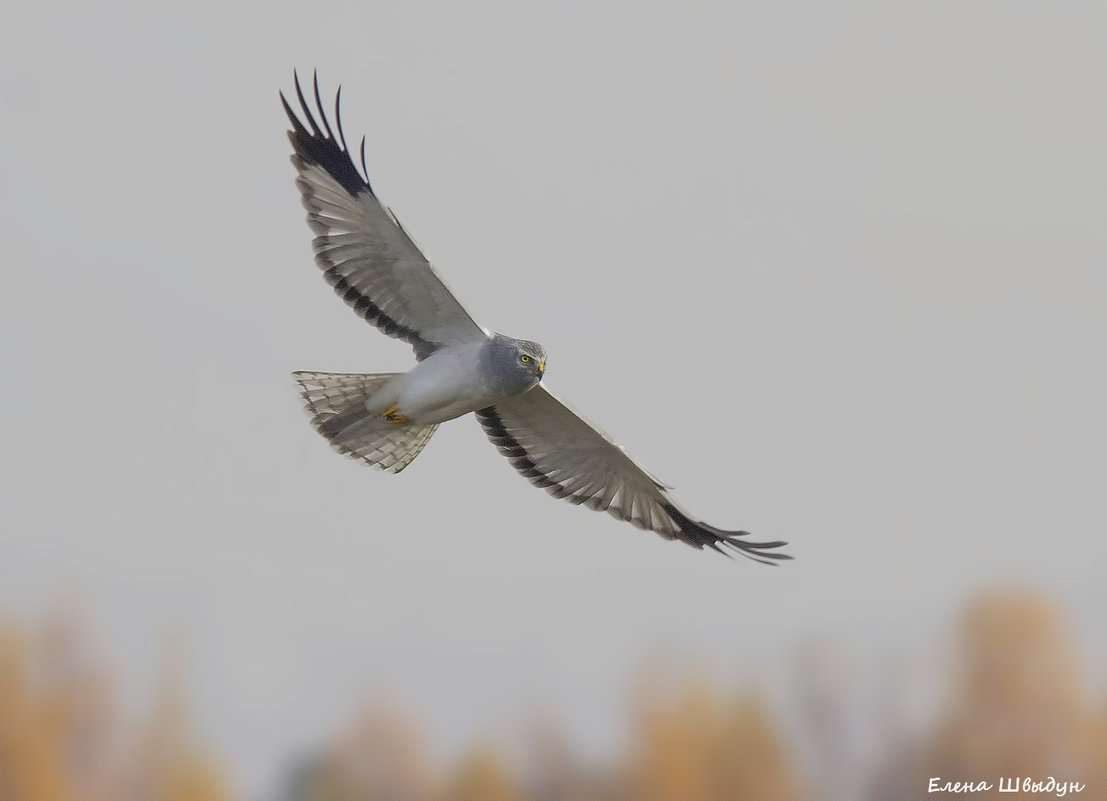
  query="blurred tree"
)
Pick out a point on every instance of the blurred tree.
point(830, 710)
point(167, 764)
point(30, 760)
point(553, 771)
point(1096, 749)
point(378, 758)
point(60, 736)
point(699, 746)
point(755, 763)
point(674, 753)
point(78, 706)
point(1017, 707)
point(481, 776)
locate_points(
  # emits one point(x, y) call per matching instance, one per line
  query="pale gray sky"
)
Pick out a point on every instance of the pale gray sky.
point(836, 272)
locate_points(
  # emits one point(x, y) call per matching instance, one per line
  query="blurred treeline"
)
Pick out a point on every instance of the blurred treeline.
point(64, 737)
point(1014, 705)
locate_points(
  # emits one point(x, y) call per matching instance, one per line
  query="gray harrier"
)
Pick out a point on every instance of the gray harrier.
point(385, 419)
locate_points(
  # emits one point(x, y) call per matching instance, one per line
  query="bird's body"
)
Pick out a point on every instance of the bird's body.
point(385, 419)
point(444, 385)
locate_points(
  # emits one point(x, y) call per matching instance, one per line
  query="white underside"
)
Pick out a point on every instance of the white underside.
point(445, 385)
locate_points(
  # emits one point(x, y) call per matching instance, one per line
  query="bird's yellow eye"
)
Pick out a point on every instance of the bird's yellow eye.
point(524, 358)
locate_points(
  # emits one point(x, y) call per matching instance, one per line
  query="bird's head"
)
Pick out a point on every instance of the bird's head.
point(519, 363)
point(532, 357)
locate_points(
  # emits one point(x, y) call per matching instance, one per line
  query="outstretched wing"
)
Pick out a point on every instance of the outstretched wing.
point(359, 244)
point(556, 449)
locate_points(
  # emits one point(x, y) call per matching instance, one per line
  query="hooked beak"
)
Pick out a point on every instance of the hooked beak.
point(541, 368)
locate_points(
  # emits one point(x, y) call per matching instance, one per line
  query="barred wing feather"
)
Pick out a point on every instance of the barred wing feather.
point(556, 449)
point(364, 252)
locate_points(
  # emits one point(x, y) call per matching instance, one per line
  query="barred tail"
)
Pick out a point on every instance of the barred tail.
point(337, 404)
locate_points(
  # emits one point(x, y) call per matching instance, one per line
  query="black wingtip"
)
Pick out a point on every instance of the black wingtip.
point(700, 534)
point(338, 117)
point(317, 144)
point(752, 550)
point(363, 167)
point(319, 105)
point(315, 132)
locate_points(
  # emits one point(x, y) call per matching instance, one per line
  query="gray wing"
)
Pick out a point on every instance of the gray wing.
point(364, 253)
point(556, 449)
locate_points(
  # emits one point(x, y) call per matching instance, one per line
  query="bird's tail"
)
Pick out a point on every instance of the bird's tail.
point(337, 404)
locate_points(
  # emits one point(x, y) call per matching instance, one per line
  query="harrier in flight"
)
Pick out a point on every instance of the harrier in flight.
point(385, 419)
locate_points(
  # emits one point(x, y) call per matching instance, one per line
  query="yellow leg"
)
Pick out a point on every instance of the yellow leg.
point(391, 416)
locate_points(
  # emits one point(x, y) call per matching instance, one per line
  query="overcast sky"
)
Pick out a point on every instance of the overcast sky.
point(837, 273)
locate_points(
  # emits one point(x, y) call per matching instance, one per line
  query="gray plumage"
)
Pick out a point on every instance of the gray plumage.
point(386, 419)
point(504, 370)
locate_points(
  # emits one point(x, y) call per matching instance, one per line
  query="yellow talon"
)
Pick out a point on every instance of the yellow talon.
point(398, 419)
